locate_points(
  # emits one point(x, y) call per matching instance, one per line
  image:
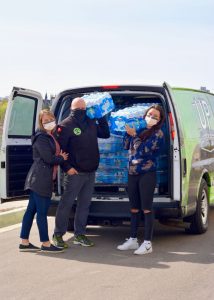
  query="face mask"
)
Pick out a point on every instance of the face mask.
point(151, 122)
point(79, 114)
point(50, 126)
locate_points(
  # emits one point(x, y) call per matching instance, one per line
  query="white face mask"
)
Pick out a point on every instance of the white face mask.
point(150, 122)
point(50, 126)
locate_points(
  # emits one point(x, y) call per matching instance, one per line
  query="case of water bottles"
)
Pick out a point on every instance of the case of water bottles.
point(107, 176)
point(113, 161)
point(162, 162)
point(111, 145)
point(162, 176)
point(132, 116)
point(98, 104)
point(118, 160)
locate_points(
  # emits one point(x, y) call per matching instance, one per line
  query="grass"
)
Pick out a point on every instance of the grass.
point(3, 106)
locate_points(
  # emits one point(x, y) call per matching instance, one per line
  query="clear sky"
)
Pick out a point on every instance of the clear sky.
point(49, 45)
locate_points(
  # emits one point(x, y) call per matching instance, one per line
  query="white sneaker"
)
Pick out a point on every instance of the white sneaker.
point(130, 244)
point(145, 248)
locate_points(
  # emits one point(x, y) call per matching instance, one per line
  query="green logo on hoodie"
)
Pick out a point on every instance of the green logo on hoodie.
point(77, 131)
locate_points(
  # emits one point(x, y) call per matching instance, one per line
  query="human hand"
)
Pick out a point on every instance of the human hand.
point(131, 131)
point(64, 155)
point(72, 171)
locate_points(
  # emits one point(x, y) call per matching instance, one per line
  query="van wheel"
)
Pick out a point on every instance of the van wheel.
point(70, 225)
point(199, 221)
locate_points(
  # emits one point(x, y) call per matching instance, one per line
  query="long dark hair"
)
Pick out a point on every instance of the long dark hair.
point(148, 132)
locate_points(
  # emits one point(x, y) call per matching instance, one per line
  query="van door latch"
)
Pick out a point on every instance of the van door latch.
point(176, 153)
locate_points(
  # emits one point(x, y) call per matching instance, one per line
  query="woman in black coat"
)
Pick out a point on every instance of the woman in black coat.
point(47, 156)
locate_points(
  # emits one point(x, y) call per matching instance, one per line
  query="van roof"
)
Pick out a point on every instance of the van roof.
point(108, 88)
point(192, 90)
point(122, 88)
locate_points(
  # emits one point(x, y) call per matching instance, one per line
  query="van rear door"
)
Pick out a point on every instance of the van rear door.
point(16, 151)
point(175, 151)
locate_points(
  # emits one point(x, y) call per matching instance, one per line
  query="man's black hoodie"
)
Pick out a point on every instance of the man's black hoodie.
point(77, 135)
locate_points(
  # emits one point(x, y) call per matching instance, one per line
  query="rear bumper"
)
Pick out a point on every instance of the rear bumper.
point(120, 210)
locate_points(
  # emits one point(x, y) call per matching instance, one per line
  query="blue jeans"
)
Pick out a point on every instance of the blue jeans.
point(37, 205)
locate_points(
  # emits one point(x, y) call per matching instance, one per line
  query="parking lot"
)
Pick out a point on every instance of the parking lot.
point(181, 266)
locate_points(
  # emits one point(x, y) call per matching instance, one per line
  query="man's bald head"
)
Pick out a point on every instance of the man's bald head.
point(78, 103)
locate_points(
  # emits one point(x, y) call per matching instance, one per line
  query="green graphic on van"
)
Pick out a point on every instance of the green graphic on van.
point(196, 122)
point(77, 131)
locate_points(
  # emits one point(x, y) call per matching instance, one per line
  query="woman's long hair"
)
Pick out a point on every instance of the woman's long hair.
point(148, 132)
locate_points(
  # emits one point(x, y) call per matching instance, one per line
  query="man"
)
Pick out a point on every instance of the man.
point(77, 135)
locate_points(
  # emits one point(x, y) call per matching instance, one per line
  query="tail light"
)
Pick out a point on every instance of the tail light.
point(108, 87)
point(172, 127)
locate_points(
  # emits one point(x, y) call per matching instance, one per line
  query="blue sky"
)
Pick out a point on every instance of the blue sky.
point(54, 45)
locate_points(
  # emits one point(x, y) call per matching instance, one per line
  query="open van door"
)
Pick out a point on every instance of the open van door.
point(16, 151)
point(175, 146)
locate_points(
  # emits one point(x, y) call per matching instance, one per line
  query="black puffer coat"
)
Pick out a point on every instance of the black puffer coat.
point(40, 175)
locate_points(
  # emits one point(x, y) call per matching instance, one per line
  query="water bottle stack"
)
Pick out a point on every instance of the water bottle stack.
point(132, 116)
point(113, 161)
point(113, 167)
point(98, 104)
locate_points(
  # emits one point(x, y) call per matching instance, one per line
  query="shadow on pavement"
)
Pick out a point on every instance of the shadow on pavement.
point(169, 245)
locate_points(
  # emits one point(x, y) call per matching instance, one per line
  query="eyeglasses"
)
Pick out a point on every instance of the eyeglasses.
point(152, 117)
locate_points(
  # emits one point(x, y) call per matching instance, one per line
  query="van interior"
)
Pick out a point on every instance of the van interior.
point(111, 178)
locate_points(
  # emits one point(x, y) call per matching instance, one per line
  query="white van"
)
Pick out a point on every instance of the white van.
point(185, 183)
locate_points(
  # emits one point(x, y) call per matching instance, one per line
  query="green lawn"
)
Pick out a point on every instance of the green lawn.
point(3, 106)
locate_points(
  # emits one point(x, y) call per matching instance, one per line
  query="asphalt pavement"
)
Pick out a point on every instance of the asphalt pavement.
point(181, 267)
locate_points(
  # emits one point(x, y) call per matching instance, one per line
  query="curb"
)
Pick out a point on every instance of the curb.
point(11, 217)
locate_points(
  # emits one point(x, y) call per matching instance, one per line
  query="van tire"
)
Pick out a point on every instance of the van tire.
point(199, 221)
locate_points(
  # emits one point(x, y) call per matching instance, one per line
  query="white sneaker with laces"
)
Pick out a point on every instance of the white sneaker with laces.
point(145, 248)
point(130, 244)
